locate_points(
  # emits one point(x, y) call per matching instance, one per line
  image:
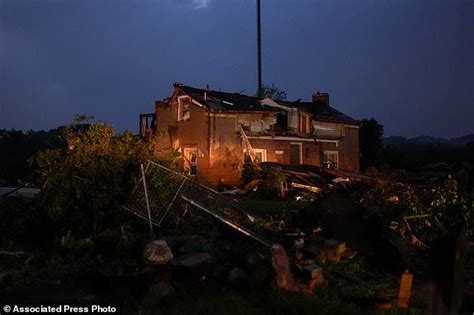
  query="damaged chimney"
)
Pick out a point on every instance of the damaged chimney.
point(321, 98)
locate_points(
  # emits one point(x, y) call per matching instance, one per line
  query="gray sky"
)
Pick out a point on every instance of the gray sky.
point(408, 63)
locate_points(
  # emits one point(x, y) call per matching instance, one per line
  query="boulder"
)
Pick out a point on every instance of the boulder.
point(194, 260)
point(157, 253)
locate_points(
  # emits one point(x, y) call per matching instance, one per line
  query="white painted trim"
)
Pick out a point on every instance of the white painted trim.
point(283, 138)
point(333, 152)
point(329, 141)
point(197, 103)
point(180, 100)
point(351, 126)
point(264, 153)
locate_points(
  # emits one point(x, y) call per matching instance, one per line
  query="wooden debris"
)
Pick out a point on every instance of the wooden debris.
point(404, 294)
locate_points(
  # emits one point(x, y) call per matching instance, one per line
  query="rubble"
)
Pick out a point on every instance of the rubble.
point(323, 250)
point(194, 260)
point(315, 273)
point(284, 279)
point(157, 252)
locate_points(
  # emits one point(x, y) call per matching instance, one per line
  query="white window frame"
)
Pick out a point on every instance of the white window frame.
point(332, 152)
point(264, 154)
point(181, 100)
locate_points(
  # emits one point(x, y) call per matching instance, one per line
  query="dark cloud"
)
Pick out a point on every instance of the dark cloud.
point(407, 63)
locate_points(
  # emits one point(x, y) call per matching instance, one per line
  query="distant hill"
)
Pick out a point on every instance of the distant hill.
point(425, 140)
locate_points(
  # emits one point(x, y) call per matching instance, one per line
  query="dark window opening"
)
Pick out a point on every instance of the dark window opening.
point(281, 121)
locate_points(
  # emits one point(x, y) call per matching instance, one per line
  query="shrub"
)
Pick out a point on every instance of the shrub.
point(84, 184)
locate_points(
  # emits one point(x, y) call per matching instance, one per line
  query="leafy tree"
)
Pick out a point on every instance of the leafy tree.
point(371, 143)
point(85, 183)
point(273, 92)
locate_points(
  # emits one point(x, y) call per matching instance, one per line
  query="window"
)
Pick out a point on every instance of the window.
point(330, 159)
point(261, 155)
point(304, 123)
point(184, 108)
point(190, 160)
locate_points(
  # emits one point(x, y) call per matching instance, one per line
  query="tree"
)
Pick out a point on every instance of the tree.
point(85, 182)
point(371, 143)
point(273, 92)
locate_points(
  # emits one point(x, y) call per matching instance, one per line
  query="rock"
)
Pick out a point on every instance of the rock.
point(157, 253)
point(160, 290)
point(315, 273)
point(194, 260)
point(237, 276)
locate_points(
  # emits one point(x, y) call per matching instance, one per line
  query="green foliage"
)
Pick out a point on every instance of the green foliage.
point(272, 184)
point(371, 143)
point(249, 173)
point(452, 211)
point(85, 183)
point(444, 211)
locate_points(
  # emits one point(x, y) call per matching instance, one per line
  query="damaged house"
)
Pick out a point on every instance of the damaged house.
point(218, 132)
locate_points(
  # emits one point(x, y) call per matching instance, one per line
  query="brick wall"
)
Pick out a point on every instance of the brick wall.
point(215, 135)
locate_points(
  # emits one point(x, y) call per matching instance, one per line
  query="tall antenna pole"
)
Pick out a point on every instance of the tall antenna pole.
point(259, 49)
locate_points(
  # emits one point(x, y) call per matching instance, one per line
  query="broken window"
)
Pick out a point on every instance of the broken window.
point(147, 124)
point(190, 160)
point(281, 121)
point(330, 159)
point(184, 108)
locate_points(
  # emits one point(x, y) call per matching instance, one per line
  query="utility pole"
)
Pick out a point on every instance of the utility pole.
point(259, 49)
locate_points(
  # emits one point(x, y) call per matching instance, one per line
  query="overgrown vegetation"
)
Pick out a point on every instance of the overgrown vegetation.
point(426, 213)
point(85, 183)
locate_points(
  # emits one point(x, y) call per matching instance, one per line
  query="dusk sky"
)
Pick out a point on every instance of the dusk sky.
point(407, 63)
